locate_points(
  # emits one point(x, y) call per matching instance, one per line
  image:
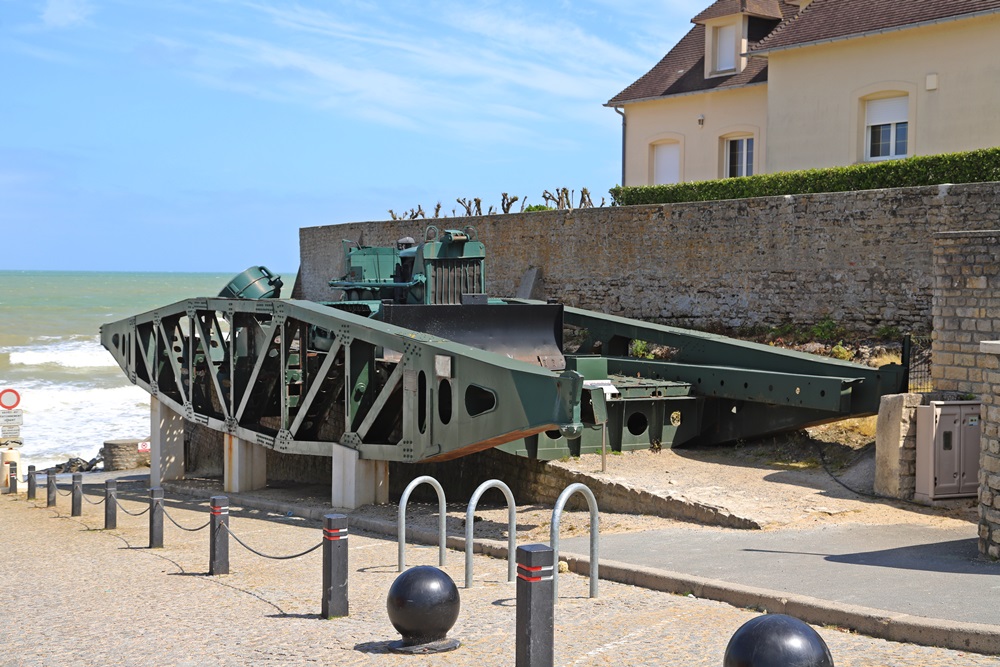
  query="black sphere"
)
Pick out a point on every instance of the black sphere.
point(423, 604)
point(776, 640)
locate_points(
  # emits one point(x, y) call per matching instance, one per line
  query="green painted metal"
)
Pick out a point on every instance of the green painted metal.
point(254, 283)
point(417, 364)
point(389, 392)
point(442, 269)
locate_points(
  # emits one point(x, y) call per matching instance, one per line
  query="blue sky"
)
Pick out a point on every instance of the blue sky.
point(200, 135)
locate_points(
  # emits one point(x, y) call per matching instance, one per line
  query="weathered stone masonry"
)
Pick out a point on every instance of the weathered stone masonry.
point(967, 314)
point(862, 258)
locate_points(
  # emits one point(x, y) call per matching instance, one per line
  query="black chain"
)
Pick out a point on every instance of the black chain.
point(190, 530)
point(59, 491)
point(94, 502)
point(251, 549)
point(130, 513)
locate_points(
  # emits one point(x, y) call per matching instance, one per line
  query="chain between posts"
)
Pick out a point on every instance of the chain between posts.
point(173, 521)
point(263, 555)
point(60, 492)
point(122, 508)
point(94, 502)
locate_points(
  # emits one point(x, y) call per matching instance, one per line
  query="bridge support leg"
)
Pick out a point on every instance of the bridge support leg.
point(166, 446)
point(245, 464)
point(357, 482)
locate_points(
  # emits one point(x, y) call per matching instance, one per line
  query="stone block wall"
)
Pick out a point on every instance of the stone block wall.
point(896, 446)
point(989, 457)
point(966, 358)
point(861, 258)
point(966, 308)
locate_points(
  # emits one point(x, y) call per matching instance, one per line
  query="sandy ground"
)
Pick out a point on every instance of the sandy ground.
point(781, 483)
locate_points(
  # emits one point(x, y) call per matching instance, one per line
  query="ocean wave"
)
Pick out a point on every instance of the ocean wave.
point(77, 354)
point(61, 419)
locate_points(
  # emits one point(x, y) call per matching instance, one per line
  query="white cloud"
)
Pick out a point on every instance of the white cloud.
point(66, 13)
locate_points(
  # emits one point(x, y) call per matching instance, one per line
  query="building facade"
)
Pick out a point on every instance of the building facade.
point(761, 86)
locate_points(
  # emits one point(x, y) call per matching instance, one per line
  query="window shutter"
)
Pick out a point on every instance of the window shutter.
point(666, 163)
point(890, 110)
point(725, 48)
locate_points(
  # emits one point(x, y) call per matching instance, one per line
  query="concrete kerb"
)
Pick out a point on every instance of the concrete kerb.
point(975, 637)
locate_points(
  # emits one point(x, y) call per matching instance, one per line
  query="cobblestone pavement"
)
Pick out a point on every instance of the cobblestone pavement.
point(83, 596)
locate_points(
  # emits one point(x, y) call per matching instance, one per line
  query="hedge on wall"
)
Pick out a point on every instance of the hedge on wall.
point(970, 167)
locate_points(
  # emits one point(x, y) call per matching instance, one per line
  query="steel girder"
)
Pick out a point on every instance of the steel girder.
point(298, 377)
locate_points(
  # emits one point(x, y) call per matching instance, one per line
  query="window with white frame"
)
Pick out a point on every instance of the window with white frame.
point(887, 128)
point(738, 156)
point(666, 163)
point(725, 48)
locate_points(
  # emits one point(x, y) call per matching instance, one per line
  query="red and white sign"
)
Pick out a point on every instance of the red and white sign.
point(9, 399)
point(144, 447)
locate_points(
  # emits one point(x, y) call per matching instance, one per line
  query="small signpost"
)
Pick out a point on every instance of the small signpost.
point(11, 419)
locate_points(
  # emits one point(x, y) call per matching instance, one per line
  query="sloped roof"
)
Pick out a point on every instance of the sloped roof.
point(770, 9)
point(682, 70)
point(831, 19)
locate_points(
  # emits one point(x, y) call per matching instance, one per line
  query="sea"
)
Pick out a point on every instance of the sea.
point(73, 394)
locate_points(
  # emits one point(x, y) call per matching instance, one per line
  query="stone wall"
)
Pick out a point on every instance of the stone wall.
point(861, 258)
point(966, 308)
point(896, 446)
point(989, 455)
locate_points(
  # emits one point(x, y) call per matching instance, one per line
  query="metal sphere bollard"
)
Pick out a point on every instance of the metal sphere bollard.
point(423, 605)
point(776, 640)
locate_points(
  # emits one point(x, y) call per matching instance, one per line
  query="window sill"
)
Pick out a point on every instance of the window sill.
point(726, 72)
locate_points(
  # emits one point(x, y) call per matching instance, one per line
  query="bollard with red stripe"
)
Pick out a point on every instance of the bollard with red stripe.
point(334, 566)
point(218, 551)
point(535, 606)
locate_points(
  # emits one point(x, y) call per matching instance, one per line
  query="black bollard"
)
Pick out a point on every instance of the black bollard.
point(50, 489)
point(32, 483)
point(13, 477)
point(535, 616)
point(776, 640)
point(334, 566)
point(218, 550)
point(155, 518)
point(110, 504)
point(423, 605)
point(77, 494)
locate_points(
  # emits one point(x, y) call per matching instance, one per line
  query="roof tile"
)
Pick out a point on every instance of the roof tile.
point(764, 8)
point(831, 19)
point(682, 70)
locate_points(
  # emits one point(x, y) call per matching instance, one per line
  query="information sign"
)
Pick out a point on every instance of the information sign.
point(11, 417)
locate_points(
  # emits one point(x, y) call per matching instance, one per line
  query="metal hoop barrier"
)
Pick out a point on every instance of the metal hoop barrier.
point(594, 534)
point(263, 555)
point(190, 530)
point(511, 529)
point(122, 508)
point(401, 519)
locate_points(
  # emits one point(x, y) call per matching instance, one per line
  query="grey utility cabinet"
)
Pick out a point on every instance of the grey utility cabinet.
point(947, 464)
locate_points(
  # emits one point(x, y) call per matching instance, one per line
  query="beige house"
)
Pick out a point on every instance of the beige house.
point(761, 86)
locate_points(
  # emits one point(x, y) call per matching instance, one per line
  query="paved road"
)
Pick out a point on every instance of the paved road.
point(929, 572)
point(91, 597)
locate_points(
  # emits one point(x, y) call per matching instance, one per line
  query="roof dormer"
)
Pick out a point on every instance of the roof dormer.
point(729, 26)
